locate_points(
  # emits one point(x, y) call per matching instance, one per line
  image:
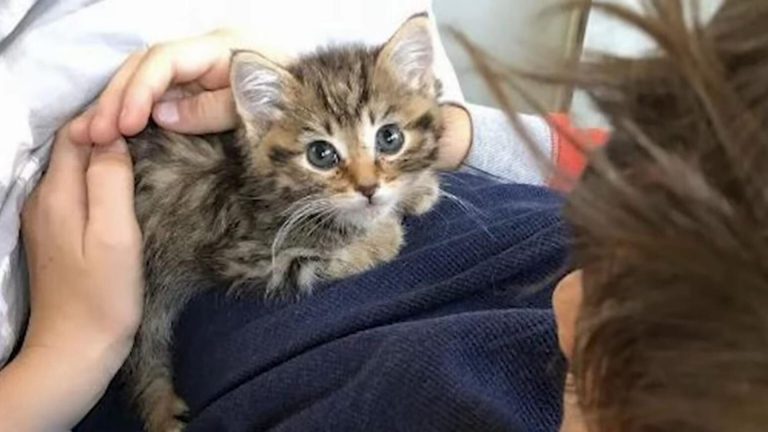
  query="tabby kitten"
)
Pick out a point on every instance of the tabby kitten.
point(333, 150)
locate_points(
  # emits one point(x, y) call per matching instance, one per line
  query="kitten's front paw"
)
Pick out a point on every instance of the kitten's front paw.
point(422, 200)
point(168, 413)
point(382, 243)
point(386, 243)
point(293, 276)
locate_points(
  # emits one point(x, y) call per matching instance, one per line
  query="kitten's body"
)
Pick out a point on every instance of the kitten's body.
point(246, 211)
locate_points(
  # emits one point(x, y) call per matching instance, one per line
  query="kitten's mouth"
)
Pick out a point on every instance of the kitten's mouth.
point(363, 212)
point(373, 209)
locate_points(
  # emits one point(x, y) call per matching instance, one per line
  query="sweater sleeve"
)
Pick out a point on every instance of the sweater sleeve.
point(498, 149)
point(443, 69)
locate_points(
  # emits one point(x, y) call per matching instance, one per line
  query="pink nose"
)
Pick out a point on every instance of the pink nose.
point(368, 190)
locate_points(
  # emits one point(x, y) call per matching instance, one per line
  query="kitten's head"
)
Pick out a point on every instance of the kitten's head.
point(354, 126)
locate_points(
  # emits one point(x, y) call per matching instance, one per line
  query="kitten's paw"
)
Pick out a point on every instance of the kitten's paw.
point(169, 426)
point(422, 198)
point(168, 414)
point(423, 204)
point(293, 275)
point(382, 243)
point(388, 241)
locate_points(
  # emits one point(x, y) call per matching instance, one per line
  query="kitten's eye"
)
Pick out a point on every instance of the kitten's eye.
point(389, 139)
point(322, 154)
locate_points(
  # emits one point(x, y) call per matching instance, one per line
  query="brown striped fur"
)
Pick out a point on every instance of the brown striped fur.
point(245, 210)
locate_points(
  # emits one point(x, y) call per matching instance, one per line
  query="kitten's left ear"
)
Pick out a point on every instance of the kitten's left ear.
point(410, 54)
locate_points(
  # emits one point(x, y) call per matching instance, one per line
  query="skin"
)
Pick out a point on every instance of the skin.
point(80, 230)
point(566, 302)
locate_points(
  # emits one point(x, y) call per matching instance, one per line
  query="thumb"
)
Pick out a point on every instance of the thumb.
point(109, 182)
point(205, 112)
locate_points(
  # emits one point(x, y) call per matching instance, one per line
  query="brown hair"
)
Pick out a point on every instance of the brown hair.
point(670, 223)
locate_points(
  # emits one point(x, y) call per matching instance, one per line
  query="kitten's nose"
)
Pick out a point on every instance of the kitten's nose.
point(368, 190)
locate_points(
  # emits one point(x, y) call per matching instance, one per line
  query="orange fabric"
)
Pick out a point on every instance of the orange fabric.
point(569, 145)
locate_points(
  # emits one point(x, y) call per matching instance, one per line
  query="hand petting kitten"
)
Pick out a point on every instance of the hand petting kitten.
point(184, 87)
point(329, 152)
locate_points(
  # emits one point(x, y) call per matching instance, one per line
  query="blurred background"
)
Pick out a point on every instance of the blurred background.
point(512, 30)
point(520, 32)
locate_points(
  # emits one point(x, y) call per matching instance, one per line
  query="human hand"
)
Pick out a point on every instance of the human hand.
point(183, 85)
point(83, 248)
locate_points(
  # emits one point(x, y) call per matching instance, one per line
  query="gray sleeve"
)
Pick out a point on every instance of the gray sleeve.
point(499, 150)
point(444, 71)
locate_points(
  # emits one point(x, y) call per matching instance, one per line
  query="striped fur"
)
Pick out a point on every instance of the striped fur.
point(245, 210)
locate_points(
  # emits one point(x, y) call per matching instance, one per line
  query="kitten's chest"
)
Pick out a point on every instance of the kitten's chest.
point(254, 244)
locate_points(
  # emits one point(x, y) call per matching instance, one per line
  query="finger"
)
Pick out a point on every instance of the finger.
point(79, 128)
point(111, 216)
point(64, 183)
point(174, 93)
point(204, 59)
point(206, 112)
point(104, 125)
point(66, 170)
point(181, 91)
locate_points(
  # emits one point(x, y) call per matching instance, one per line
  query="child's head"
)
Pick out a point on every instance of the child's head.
point(670, 225)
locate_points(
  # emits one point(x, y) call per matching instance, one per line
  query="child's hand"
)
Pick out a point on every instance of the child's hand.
point(83, 248)
point(183, 85)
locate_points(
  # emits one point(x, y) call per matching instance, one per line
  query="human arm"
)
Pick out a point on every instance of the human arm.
point(83, 248)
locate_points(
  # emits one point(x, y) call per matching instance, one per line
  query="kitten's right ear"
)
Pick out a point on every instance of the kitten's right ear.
point(410, 54)
point(259, 88)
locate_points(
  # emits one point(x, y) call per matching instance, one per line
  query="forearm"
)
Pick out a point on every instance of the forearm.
point(483, 138)
point(46, 389)
point(456, 139)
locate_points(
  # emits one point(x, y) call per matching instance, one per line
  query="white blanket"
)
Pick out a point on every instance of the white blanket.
point(56, 55)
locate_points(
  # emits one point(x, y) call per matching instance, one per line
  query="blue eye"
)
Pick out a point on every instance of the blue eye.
point(322, 155)
point(389, 139)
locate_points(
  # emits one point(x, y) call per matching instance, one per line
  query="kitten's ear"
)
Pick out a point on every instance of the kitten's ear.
point(410, 54)
point(259, 87)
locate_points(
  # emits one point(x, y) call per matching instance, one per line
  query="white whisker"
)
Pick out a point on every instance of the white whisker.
point(470, 209)
point(463, 204)
point(300, 213)
point(323, 217)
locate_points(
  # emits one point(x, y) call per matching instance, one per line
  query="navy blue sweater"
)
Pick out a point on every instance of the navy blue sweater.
point(457, 334)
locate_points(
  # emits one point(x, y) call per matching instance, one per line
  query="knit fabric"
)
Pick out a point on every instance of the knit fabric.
point(500, 150)
point(456, 334)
